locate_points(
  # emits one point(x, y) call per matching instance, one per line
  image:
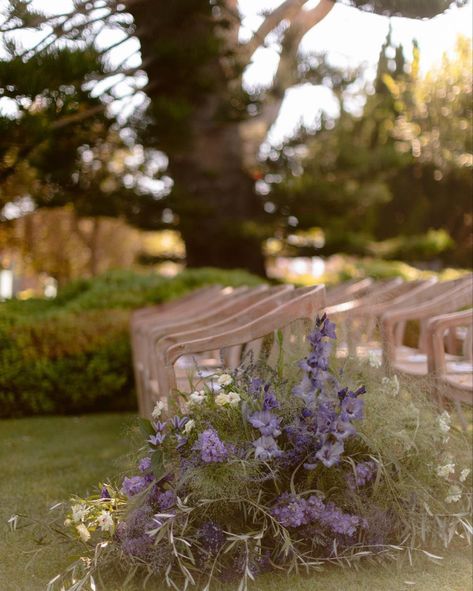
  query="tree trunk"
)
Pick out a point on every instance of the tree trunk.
point(213, 195)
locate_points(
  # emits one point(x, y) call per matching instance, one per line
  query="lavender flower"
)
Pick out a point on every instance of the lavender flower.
point(269, 401)
point(165, 500)
point(266, 448)
point(134, 485)
point(104, 494)
point(156, 439)
point(255, 386)
point(145, 464)
point(305, 389)
point(364, 472)
point(342, 429)
point(339, 522)
point(290, 510)
point(159, 426)
point(181, 441)
point(178, 422)
point(351, 408)
point(266, 422)
point(329, 454)
point(210, 447)
point(325, 418)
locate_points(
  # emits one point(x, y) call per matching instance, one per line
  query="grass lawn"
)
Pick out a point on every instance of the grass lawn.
point(45, 460)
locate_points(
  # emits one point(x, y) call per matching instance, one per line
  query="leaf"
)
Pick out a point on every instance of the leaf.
point(157, 464)
point(145, 427)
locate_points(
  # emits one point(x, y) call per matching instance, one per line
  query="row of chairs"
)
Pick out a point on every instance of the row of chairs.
point(216, 327)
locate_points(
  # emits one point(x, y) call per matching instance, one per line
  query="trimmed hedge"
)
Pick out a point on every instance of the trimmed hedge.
point(72, 354)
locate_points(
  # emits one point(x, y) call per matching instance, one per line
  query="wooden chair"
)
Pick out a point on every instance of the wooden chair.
point(246, 310)
point(413, 361)
point(145, 320)
point(454, 379)
point(304, 304)
point(348, 290)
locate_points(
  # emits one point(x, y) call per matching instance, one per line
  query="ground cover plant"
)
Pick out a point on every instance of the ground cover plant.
point(282, 470)
point(72, 354)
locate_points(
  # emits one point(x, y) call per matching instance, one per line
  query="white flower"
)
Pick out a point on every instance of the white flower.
point(224, 380)
point(105, 521)
point(374, 359)
point(189, 426)
point(68, 523)
point(83, 532)
point(464, 474)
point(78, 513)
point(454, 494)
point(233, 398)
point(158, 409)
point(197, 397)
point(222, 400)
point(445, 471)
point(444, 421)
point(391, 385)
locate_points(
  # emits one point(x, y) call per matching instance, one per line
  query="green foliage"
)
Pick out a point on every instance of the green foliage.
point(72, 354)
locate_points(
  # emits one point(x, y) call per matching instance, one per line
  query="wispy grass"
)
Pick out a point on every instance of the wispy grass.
point(45, 460)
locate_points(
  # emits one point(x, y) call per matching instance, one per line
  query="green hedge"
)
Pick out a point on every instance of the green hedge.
point(72, 354)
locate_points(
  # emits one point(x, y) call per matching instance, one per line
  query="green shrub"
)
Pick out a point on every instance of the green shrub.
point(72, 354)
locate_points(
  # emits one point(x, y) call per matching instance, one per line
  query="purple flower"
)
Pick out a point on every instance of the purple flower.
point(181, 441)
point(165, 500)
point(266, 422)
point(339, 522)
point(255, 386)
point(144, 464)
point(329, 454)
point(342, 429)
point(140, 547)
point(157, 439)
point(351, 408)
point(134, 485)
point(270, 401)
point(364, 472)
point(290, 510)
point(210, 447)
point(325, 418)
point(160, 425)
point(178, 422)
point(104, 494)
point(266, 448)
point(305, 389)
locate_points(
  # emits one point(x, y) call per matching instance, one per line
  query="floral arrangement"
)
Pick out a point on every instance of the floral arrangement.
point(270, 470)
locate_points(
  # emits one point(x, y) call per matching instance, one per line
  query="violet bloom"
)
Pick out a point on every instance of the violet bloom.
point(266, 422)
point(305, 389)
point(145, 464)
point(343, 429)
point(255, 386)
point(364, 472)
point(165, 500)
point(157, 439)
point(178, 422)
point(134, 485)
point(329, 454)
point(339, 522)
point(266, 448)
point(326, 418)
point(181, 441)
point(160, 425)
point(270, 401)
point(211, 448)
point(104, 494)
point(351, 408)
point(290, 510)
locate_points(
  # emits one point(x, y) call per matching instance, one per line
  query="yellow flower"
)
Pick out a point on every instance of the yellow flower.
point(83, 532)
